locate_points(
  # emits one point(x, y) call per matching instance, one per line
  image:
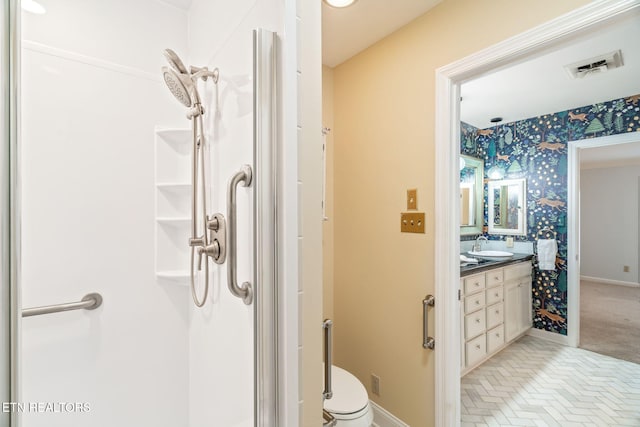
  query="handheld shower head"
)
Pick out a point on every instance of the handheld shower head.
point(174, 60)
point(179, 85)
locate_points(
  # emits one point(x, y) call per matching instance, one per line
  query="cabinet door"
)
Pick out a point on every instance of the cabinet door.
point(511, 310)
point(524, 294)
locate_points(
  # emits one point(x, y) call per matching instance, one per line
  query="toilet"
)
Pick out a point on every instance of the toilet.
point(350, 402)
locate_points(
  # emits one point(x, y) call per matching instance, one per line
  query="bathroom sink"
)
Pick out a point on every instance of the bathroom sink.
point(491, 254)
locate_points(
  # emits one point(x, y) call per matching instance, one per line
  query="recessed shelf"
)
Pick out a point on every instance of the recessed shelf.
point(175, 136)
point(172, 163)
point(173, 186)
point(174, 275)
point(174, 221)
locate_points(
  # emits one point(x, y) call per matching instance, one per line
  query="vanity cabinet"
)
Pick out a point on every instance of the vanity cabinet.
point(495, 309)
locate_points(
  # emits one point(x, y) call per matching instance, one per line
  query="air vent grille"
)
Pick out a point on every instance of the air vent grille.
point(597, 65)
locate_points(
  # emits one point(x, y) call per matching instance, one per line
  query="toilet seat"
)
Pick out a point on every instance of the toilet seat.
point(350, 399)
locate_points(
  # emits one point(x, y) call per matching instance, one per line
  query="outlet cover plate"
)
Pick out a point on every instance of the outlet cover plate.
point(412, 222)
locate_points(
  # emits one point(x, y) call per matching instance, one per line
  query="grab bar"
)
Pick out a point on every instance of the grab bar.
point(328, 420)
point(427, 341)
point(89, 302)
point(327, 325)
point(244, 292)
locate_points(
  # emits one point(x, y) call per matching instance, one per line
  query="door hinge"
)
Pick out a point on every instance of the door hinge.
point(459, 294)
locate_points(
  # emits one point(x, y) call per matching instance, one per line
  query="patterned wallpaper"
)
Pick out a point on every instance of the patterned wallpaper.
point(536, 149)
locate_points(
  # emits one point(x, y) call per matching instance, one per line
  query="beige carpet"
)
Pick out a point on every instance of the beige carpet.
point(610, 320)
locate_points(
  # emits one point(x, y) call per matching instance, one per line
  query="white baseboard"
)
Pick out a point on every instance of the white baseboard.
point(382, 418)
point(610, 282)
point(549, 336)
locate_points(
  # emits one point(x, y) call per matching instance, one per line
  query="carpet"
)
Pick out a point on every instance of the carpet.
point(610, 320)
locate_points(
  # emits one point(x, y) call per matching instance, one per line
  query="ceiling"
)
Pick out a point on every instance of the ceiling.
point(541, 85)
point(350, 30)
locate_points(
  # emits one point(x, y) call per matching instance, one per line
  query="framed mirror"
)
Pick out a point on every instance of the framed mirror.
point(507, 207)
point(471, 195)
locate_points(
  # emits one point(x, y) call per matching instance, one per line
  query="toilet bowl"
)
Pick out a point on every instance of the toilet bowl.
point(350, 402)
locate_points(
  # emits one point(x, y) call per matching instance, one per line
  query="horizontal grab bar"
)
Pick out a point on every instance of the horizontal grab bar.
point(89, 302)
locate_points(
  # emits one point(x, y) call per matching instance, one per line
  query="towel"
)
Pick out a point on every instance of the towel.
point(468, 260)
point(547, 250)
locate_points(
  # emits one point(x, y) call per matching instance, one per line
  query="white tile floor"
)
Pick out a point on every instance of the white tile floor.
point(537, 383)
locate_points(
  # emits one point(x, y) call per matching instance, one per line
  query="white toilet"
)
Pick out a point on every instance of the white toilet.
point(350, 402)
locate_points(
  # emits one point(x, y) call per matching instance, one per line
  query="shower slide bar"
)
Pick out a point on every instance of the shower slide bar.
point(89, 302)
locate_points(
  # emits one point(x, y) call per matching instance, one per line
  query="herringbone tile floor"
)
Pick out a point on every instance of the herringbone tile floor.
point(537, 383)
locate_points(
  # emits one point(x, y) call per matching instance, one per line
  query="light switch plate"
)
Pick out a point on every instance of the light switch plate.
point(412, 199)
point(412, 222)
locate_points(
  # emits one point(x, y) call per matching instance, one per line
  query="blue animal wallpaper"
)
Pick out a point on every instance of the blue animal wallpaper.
point(536, 149)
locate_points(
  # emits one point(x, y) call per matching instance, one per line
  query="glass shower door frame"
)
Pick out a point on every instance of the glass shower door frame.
point(10, 313)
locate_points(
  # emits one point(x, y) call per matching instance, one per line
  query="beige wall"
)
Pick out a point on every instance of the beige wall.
point(384, 108)
point(327, 226)
point(309, 69)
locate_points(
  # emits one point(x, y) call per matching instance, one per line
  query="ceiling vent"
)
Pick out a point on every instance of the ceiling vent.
point(598, 65)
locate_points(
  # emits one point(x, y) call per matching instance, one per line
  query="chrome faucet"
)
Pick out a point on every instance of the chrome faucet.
point(477, 247)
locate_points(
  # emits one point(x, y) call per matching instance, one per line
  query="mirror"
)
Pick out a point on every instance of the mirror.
point(507, 207)
point(471, 195)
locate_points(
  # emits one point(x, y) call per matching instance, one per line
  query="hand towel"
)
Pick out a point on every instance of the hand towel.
point(547, 250)
point(468, 260)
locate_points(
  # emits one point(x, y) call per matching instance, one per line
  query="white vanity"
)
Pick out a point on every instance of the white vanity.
point(495, 308)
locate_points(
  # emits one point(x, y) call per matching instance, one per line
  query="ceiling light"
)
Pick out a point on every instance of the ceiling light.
point(339, 3)
point(33, 6)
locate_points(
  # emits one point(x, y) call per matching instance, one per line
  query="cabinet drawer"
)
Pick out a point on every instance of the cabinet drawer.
point(476, 349)
point(495, 338)
point(475, 323)
point(495, 315)
point(518, 270)
point(474, 302)
point(494, 295)
point(473, 284)
point(494, 277)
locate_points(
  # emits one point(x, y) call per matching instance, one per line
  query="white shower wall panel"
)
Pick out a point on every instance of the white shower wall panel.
point(131, 33)
point(221, 346)
point(88, 119)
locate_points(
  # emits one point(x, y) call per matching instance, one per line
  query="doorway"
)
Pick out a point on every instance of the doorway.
point(448, 80)
point(606, 325)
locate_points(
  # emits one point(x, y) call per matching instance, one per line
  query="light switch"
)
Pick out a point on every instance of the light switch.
point(412, 199)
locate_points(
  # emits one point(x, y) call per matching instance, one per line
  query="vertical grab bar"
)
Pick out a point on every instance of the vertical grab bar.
point(327, 325)
point(245, 291)
point(427, 341)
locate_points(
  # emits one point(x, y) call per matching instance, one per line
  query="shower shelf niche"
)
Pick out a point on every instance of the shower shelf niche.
point(172, 162)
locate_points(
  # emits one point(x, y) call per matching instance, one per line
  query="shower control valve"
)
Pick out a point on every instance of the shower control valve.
point(196, 241)
point(217, 226)
point(213, 250)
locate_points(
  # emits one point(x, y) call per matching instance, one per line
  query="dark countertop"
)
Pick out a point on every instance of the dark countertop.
point(485, 264)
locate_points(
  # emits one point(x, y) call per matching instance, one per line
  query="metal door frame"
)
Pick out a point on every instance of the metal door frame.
point(10, 313)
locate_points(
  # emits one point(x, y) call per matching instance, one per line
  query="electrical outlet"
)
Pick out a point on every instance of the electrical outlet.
point(412, 199)
point(625, 268)
point(509, 242)
point(375, 384)
point(412, 222)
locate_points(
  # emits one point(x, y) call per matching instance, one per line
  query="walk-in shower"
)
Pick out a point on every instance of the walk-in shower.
point(208, 239)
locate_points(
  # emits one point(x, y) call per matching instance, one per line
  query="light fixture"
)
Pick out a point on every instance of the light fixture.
point(340, 3)
point(32, 6)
